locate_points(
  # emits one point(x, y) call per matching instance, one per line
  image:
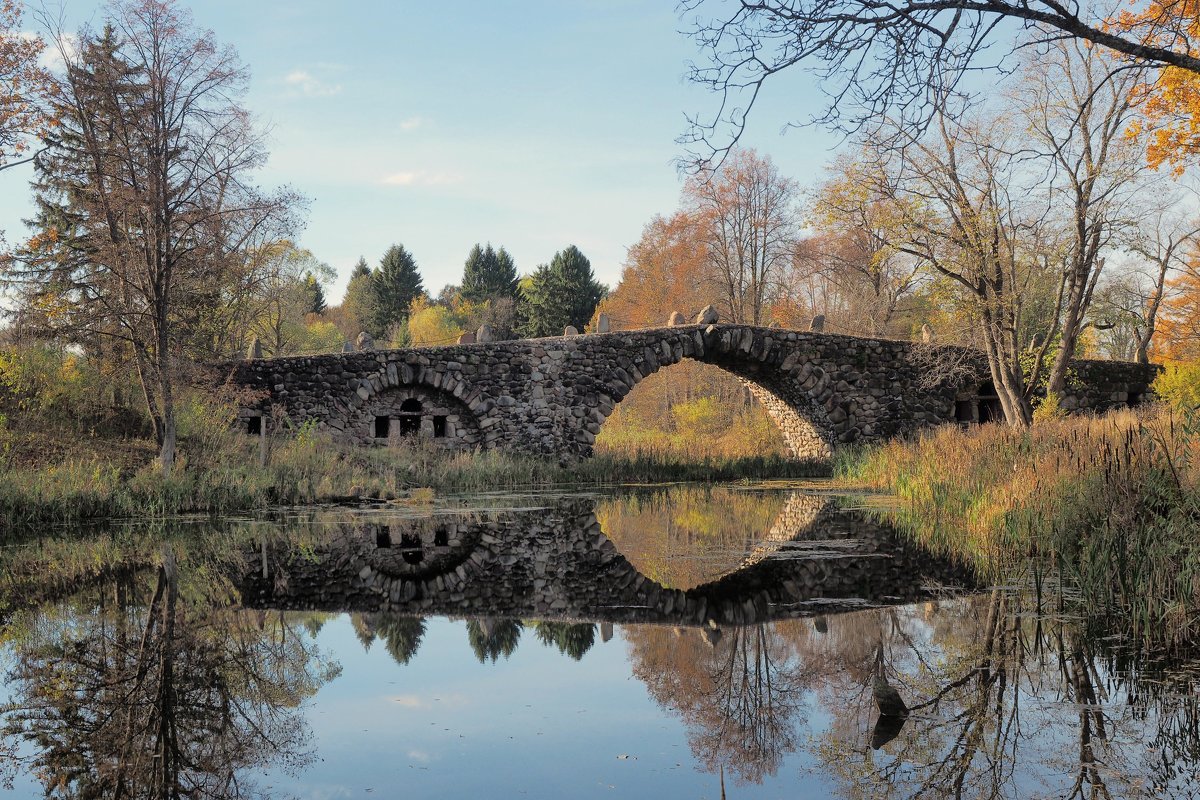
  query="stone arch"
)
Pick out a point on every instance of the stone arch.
point(415, 411)
point(797, 396)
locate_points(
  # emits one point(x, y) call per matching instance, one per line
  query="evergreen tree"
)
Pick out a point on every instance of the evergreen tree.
point(361, 302)
point(561, 293)
point(397, 284)
point(489, 274)
point(314, 294)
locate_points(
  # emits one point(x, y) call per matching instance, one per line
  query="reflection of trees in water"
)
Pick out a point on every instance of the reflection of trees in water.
point(685, 537)
point(1004, 703)
point(739, 690)
point(491, 638)
point(401, 634)
point(573, 639)
point(1003, 700)
point(135, 692)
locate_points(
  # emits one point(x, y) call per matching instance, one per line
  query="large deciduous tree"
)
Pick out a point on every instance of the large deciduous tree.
point(143, 191)
point(903, 61)
point(746, 215)
point(23, 85)
point(1076, 103)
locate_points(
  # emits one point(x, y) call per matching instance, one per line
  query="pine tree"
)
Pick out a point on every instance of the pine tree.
point(488, 275)
point(361, 301)
point(315, 294)
point(397, 284)
point(561, 293)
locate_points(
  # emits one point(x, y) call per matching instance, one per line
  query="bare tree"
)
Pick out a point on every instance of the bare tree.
point(967, 217)
point(1166, 240)
point(747, 222)
point(138, 191)
point(1076, 101)
point(904, 60)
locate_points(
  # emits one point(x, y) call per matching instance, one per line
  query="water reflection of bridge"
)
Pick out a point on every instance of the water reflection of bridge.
point(557, 563)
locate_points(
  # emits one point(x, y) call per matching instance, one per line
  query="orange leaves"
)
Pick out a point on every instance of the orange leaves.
point(23, 83)
point(1169, 104)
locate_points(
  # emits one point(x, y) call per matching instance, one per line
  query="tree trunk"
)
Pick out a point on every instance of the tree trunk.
point(166, 455)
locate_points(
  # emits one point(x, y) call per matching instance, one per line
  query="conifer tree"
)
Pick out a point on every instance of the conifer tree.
point(397, 283)
point(315, 294)
point(361, 302)
point(488, 274)
point(561, 293)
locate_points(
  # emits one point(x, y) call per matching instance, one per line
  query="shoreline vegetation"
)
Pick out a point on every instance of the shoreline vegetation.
point(223, 472)
point(1105, 510)
point(1107, 507)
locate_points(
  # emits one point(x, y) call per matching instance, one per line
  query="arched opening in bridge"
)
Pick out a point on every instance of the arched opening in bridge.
point(694, 409)
point(405, 413)
point(412, 550)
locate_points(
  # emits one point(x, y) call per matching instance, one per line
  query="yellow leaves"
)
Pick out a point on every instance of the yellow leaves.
point(434, 324)
point(1170, 104)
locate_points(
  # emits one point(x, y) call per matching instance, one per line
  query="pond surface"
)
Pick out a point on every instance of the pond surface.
point(701, 642)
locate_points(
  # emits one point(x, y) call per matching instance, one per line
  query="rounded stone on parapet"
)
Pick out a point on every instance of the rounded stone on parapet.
point(466, 338)
point(603, 324)
point(708, 315)
point(818, 323)
point(570, 330)
point(254, 351)
point(365, 342)
point(484, 334)
point(927, 335)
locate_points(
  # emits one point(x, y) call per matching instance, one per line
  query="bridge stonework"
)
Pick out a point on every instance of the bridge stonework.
point(551, 396)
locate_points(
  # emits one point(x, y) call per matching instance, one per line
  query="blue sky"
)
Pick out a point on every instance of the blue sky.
point(532, 125)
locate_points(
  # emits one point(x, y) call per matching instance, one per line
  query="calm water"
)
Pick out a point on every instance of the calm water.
point(689, 642)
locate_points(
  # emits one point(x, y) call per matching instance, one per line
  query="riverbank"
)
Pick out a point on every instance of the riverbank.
point(1107, 506)
point(224, 472)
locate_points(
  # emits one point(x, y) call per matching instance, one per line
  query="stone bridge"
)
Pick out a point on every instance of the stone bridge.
point(551, 396)
point(558, 563)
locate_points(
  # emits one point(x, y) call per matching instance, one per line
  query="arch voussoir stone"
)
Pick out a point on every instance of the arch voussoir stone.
point(551, 396)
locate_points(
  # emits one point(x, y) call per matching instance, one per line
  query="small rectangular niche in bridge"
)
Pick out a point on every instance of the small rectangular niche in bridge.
point(254, 426)
point(382, 427)
point(439, 426)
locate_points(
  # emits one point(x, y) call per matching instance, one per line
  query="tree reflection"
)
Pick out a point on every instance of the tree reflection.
point(573, 639)
point(739, 691)
point(491, 638)
point(401, 634)
point(998, 695)
point(134, 692)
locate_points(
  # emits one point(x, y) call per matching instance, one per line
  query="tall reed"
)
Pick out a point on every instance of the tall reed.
point(1111, 503)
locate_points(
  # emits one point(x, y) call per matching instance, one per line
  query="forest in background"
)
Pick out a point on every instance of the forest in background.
point(1055, 218)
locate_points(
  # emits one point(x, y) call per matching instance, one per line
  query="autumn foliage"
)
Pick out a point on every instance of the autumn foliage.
point(23, 82)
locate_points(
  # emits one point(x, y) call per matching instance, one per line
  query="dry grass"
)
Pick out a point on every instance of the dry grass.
point(1113, 503)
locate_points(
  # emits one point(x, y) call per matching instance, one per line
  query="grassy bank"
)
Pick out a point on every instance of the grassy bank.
point(221, 472)
point(1111, 505)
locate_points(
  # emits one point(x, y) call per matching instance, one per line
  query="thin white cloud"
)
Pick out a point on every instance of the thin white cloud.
point(421, 178)
point(56, 53)
point(420, 755)
point(309, 85)
point(412, 123)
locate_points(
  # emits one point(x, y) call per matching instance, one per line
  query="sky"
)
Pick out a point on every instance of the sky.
point(530, 125)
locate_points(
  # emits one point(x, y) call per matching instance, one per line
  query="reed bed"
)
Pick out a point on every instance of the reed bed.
point(222, 473)
point(1111, 505)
